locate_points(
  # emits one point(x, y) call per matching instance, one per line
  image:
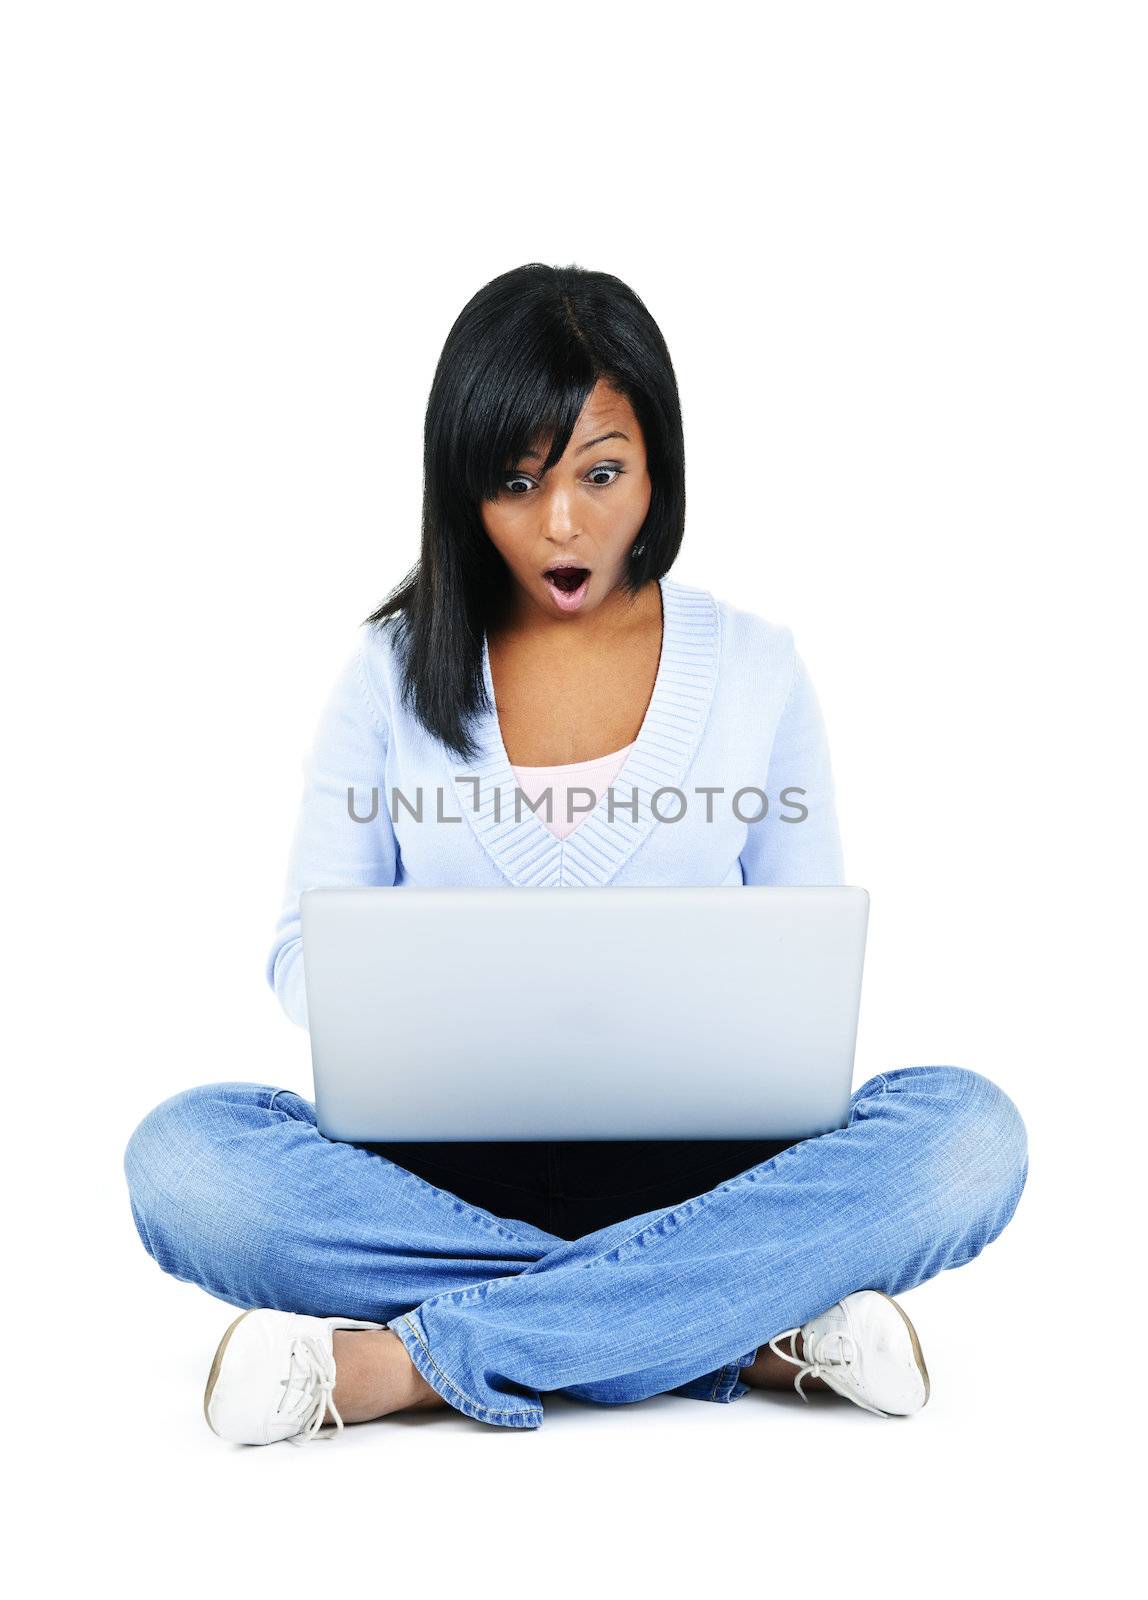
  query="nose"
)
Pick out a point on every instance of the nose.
point(558, 515)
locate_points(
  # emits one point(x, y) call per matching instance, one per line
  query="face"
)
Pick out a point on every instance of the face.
point(584, 515)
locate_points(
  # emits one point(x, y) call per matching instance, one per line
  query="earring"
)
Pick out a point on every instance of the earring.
point(637, 550)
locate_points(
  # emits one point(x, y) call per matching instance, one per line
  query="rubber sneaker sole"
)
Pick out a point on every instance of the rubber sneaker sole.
point(918, 1353)
point(213, 1375)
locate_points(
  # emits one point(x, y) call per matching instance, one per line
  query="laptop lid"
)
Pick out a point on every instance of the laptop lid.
point(582, 1013)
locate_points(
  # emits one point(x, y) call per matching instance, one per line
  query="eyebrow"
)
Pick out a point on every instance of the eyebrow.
point(616, 433)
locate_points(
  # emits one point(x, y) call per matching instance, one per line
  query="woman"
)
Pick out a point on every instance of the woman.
point(539, 646)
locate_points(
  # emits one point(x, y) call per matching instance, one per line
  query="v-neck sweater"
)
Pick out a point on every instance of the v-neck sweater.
point(728, 782)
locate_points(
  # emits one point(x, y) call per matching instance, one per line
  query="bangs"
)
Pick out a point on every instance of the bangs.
point(526, 393)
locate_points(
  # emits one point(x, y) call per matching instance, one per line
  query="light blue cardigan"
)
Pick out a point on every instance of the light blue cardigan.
point(732, 712)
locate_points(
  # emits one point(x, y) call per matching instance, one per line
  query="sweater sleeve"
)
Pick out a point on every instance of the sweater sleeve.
point(330, 848)
point(797, 842)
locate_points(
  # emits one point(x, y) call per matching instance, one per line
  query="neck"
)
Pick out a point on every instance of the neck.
point(617, 614)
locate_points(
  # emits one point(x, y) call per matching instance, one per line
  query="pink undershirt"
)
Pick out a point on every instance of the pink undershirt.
point(596, 775)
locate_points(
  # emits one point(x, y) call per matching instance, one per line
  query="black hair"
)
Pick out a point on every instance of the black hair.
point(518, 367)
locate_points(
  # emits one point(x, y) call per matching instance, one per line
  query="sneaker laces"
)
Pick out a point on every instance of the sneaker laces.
point(311, 1379)
point(833, 1349)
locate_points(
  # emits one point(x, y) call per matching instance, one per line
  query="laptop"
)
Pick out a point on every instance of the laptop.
point(584, 1013)
point(441, 1014)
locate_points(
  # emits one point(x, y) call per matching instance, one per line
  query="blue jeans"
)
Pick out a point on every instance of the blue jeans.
point(232, 1187)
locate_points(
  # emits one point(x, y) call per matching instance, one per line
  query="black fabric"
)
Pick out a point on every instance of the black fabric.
point(573, 1187)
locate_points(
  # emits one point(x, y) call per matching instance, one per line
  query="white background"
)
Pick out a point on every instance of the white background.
point(898, 253)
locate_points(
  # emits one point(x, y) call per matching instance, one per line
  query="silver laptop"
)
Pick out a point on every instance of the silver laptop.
point(582, 1013)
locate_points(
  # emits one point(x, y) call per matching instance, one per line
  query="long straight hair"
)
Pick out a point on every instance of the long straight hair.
point(517, 367)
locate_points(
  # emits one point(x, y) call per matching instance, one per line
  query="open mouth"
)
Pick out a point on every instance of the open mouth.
point(568, 584)
point(567, 578)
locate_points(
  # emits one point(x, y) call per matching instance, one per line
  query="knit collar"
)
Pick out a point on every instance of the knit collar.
point(525, 851)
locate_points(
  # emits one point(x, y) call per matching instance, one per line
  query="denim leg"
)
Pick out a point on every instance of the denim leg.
point(928, 1171)
point(232, 1187)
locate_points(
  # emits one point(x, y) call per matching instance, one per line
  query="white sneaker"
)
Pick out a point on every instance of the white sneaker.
point(272, 1377)
point(866, 1349)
